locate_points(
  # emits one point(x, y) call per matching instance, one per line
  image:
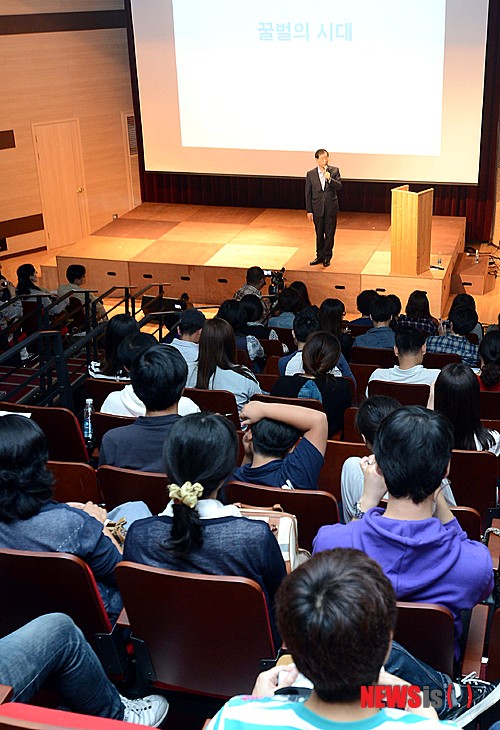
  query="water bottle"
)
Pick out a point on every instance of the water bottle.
point(87, 421)
point(476, 258)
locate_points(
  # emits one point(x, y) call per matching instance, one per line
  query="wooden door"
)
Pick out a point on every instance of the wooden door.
point(62, 184)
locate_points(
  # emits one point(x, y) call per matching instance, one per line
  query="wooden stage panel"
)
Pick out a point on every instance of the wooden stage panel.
point(206, 251)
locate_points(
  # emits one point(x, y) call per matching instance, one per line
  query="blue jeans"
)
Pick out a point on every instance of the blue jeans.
point(406, 666)
point(52, 647)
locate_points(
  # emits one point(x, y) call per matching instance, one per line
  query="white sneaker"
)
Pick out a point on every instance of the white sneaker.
point(151, 710)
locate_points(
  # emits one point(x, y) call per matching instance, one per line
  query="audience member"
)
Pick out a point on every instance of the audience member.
point(234, 312)
point(125, 402)
point(284, 445)
point(369, 416)
point(217, 368)
point(494, 327)
point(463, 320)
point(395, 302)
point(27, 286)
point(10, 310)
point(418, 313)
point(289, 304)
point(256, 281)
point(363, 304)
point(337, 616)
point(196, 533)
point(158, 378)
point(305, 323)
point(428, 560)
point(489, 356)
point(75, 274)
point(117, 329)
point(456, 396)
point(410, 351)
point(31, 520)
point(300, 287)
point(52, 651)
point(331, 319)
point(467, 300)
point(381, 334)
point(320, 355)
point(189, 329)
point(254, 315)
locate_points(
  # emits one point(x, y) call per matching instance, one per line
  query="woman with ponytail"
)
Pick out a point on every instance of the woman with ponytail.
point(196, 533)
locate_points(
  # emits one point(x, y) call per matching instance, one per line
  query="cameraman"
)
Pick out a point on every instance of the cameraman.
point(256, 281)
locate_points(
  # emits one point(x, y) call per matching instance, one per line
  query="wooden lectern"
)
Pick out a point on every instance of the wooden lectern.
point(411, 222)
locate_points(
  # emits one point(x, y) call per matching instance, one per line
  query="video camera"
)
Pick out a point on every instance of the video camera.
point(277, 281)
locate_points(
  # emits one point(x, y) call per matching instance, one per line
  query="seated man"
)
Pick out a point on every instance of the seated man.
point(428, 560)
point(363, 303)
point(337, 615)
point(381, 334)
point(125, 402)
point(270, 457)
point(75, 274)
point(256, 281)
point(52, 649)
point(189, 328)
point(158, 378)
point(410, 351)
point(462, 322)
point(305, 323)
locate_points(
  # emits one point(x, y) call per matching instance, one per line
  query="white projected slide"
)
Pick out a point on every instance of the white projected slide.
point(392, 88)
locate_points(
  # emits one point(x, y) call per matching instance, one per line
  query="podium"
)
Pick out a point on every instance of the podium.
point(411, 222)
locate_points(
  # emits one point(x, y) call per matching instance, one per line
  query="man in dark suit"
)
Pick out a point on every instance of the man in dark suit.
point(322, 205)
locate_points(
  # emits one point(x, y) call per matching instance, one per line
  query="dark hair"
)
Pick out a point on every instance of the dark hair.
point(380, 309)
point(336, 614)
point(305, 322)
point(409, 340)
point(371, 413)
point(75, 271)
point(273, 438)
point(24, 283)
point(321, 151)
point(456, 396)
point(158, 377)
point(489, 352)
point(254, 309)
point(289, 300)
point(395, 305)
point(364, 300)
point(233, 312)
point(413, 448)
point(188, 329)
point(255, 275)
point(463, 300)
point(118, 328)
point(418, 305)
point(132, 346)
point(331, 313)
point(301, 288)
point(463, 319)
point(203, 448)
point(320, 354)
point(25, 482)
point(217, 350)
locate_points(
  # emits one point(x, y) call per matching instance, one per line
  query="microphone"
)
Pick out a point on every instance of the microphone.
point(327, 174)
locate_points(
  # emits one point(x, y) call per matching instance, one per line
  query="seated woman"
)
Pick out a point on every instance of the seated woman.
point(118, 329)
point(467, 300)
point(418, 313)
point(234, 312)
point(289, 304)
point(331, 319)
point(489, 356)
point(455, 394)
point(196, 533)
point(216, 363)
point(27, 285)
point(254, 317)
point(320, 355)
point(301, 288)
point(31, 520)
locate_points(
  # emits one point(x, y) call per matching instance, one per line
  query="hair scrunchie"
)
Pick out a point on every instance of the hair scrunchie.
point(187, 494)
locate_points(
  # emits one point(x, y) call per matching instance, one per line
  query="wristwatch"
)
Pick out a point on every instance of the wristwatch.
point(358, 512)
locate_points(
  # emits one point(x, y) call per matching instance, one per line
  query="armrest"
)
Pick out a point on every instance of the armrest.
point(475, 640)
point(5, 693)
point(122, 620)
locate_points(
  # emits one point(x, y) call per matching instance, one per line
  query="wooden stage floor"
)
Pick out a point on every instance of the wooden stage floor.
point(205, 251)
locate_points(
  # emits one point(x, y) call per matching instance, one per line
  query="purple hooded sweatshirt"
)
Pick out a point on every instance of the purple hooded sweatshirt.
point(426, 561)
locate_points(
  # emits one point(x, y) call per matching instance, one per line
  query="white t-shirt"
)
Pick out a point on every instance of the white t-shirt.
point(126, 403)
point(416, 375)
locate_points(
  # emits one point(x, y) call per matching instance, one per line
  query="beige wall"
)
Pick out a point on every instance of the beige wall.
point(53, 76)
